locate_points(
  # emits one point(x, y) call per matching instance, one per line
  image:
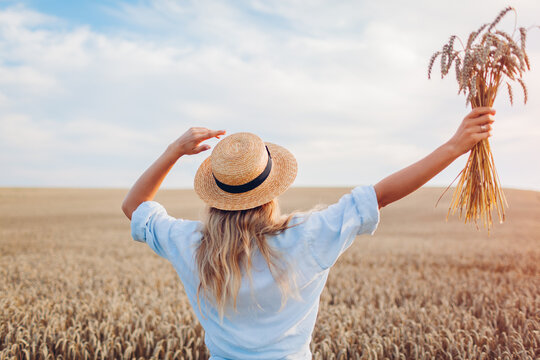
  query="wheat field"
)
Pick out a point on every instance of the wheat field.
point(73, 285)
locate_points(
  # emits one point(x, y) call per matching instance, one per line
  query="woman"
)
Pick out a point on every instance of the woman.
point(254, 277)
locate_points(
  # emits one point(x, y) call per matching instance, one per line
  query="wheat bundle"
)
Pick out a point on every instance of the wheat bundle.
point(489, 58)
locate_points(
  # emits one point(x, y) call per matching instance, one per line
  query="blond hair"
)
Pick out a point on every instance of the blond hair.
point(229, 239)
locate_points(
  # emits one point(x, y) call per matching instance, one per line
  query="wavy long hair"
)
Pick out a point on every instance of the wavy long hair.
point(224, 254)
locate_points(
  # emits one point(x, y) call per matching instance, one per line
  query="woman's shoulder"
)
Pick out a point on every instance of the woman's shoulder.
point(187, 228)
point(359, 207)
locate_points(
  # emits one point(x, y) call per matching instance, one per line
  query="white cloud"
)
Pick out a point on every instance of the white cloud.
point(25, 79)
point(18, 16)
point(338, 83)
point(18, 131)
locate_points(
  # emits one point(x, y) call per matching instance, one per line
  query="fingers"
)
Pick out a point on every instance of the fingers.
point(201, 148)
point(482, 128)
point(476, 112)
point(481, 132)
point(481, 136)
point(484, 119)
point(218, 133)
point(202, 134)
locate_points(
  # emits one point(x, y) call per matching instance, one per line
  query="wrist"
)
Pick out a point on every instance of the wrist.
point(175, 150)
point(452, 150)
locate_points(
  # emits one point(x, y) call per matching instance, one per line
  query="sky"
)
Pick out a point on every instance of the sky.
point(92, 92)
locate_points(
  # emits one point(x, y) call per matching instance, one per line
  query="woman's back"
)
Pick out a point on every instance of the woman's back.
point(259, 328)
point(244, 173)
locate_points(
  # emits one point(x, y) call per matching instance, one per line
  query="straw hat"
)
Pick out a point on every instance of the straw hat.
point(244, 172)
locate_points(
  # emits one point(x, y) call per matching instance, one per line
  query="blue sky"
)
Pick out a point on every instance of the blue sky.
point(80, 12)
point(92, 91)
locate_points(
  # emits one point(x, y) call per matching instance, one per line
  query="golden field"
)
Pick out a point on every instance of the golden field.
point(73, 285)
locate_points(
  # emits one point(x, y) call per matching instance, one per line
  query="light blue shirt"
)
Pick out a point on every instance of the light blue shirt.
point(258, 329)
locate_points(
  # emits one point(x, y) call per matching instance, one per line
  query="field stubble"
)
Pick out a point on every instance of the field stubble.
point(73, 285)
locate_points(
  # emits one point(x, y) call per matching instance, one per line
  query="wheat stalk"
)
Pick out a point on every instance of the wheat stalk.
point(490, 57)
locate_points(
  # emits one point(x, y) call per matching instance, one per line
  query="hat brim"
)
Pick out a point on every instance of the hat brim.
point(282, 175)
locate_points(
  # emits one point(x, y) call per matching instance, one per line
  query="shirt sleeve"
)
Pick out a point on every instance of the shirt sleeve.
point(151, 224)
point(332, 230)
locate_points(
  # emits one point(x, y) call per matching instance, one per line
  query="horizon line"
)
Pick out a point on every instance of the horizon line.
point(23, 187)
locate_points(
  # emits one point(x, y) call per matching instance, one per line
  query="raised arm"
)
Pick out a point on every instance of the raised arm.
point(475, 126)
point(149, 182)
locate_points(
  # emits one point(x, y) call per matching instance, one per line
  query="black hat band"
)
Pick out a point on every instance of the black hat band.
point(237, 189)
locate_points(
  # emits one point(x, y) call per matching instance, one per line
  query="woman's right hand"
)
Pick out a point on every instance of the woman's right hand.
point(476, 126)
point(190, 142)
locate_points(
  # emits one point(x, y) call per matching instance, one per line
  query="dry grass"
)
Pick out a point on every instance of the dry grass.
point(490, 57)
point(74, 286)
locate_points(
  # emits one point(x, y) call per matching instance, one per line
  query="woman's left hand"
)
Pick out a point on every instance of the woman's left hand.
point(190, 142)
point(476, 126)
point(146, 187)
